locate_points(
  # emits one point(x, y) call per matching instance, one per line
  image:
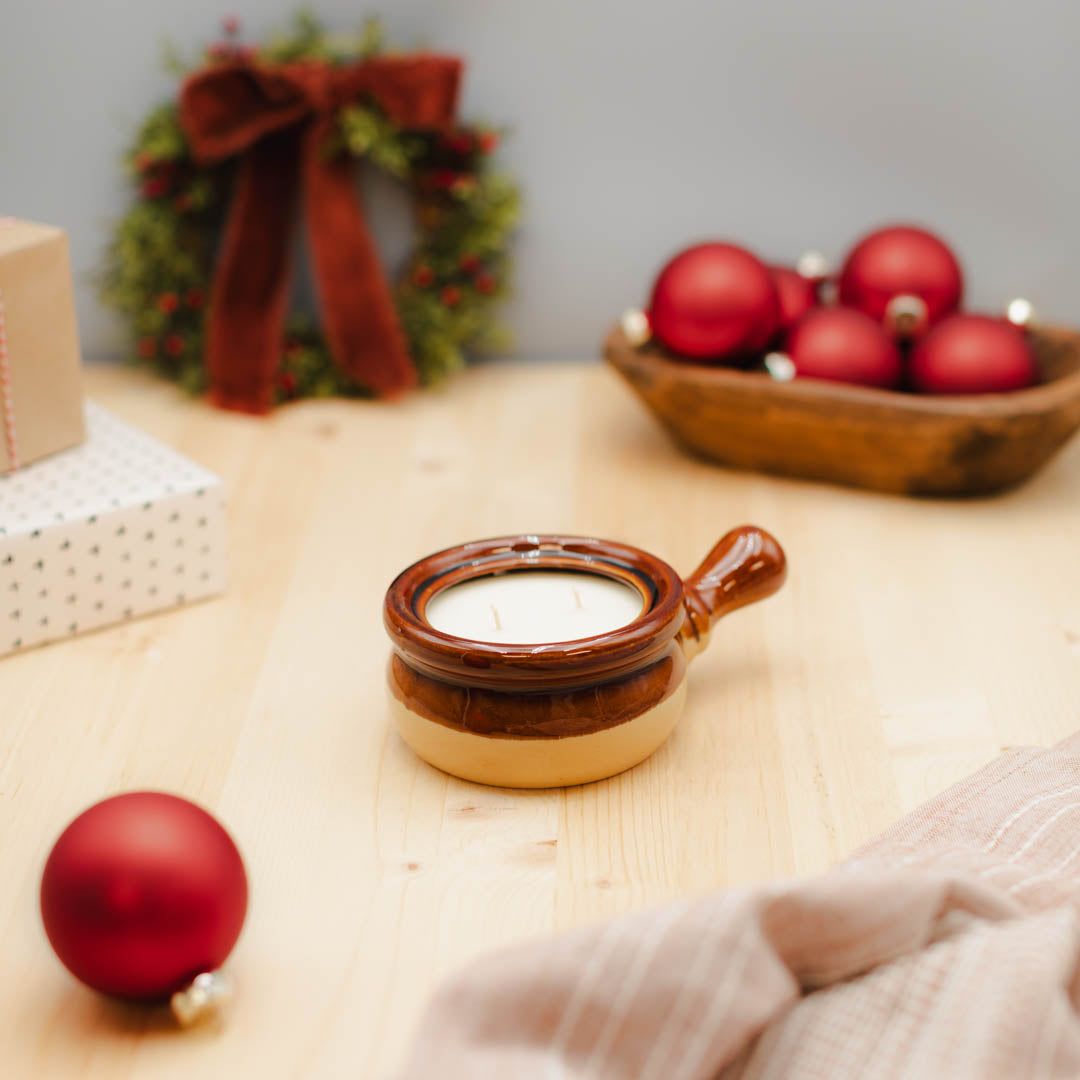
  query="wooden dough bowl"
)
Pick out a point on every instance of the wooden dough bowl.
point(879, 439)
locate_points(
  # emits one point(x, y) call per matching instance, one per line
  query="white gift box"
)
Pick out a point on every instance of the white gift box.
point(118, 527)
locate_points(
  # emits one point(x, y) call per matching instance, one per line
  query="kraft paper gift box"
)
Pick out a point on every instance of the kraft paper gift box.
point(116, 528)
point(41, 395)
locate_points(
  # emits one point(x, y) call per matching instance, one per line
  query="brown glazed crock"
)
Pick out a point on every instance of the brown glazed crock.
point(563, 712)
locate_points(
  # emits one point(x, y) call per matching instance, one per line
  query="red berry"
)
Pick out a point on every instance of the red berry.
point(194, 298)
point(147, 347)
point(174, 344)
point(488, 141)
point(287, 383)
point(168, 302)
point(423, 276)
point(458, 142)
point(443, 178)
point(484, 282)
point(469, 262)
point(143, 161)
point(450, 296)
point(154, 186)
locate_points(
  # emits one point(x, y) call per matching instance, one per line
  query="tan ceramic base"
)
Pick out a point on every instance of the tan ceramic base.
point(538, 762)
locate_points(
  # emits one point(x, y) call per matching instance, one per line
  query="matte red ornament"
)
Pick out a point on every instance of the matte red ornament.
point(973, 354)
point(844, 345)
point(901, 261)
point(714, 302)
point(141, 893)
point(795, 293)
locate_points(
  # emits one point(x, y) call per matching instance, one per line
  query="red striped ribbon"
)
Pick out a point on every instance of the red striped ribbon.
point(7, 403)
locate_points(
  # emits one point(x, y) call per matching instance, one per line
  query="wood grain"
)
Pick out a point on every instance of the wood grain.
point(862, 436)
point(912, 642)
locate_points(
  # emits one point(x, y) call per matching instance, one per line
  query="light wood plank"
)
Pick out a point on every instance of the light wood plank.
point(913, 641)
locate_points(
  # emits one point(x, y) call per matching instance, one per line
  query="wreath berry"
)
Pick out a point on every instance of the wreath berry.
point(160, 264)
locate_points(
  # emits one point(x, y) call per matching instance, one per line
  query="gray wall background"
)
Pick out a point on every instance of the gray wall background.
point(638, 127)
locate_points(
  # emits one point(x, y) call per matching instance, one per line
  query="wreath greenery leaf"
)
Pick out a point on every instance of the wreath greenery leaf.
point(159, 261)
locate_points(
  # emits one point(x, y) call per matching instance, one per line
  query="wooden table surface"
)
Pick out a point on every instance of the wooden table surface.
point(913, 641)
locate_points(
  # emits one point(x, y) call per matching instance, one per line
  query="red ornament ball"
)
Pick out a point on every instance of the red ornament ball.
point(795, 293)
point(901, 261)
point(714, 302)
point(141, 893)
point(844, 345)
point(972, 354)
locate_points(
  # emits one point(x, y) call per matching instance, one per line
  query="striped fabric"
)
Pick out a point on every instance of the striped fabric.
point(949, 947)
point(7, 402)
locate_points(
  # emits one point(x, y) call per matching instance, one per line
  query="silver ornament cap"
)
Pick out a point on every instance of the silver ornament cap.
point(1021, 313)
point(780, 366)
point(635, 325)
point(812, 265)
point(201, 998)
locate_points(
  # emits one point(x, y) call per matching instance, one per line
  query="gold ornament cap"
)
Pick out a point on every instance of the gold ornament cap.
point(906, 315)
point(203, 997)
point(635, 325)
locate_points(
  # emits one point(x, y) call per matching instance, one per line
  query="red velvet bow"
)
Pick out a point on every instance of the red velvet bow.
point(280, 119)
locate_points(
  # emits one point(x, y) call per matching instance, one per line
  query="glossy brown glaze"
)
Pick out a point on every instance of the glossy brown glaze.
point(575, 687)
point(746, 565)
point(500, 666)
point(543, 714)
point(879, 439)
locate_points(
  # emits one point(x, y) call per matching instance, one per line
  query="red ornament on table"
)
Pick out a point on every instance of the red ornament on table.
point(844, 345)
point(795, 293)
point(972, 354)
point(142, 894)
point(714, 302)
point(901, 261)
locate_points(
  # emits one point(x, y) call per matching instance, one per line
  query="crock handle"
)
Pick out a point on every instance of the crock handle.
point(746, 565)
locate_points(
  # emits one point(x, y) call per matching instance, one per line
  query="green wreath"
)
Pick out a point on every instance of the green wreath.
point(159, 262)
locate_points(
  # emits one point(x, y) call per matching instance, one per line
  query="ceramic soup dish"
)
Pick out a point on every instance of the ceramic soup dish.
point(538, 713)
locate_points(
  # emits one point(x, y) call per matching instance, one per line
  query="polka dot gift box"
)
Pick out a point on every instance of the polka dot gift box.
point(116, 528)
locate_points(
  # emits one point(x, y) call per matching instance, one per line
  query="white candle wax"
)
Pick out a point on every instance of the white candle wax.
point(533, 607)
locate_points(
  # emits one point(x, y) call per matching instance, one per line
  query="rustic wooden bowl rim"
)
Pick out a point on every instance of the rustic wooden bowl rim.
point(594, 658)
point(1032, 399)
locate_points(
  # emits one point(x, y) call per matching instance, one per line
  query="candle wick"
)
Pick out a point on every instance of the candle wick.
point(577, 597)
point(495, 615)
